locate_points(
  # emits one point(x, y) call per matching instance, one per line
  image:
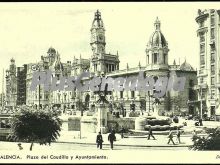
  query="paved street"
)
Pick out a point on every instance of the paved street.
point(12, 146)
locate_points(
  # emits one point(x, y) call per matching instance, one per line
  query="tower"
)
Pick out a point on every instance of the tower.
point(101, 62)
point(97, 43)
point(157, 49)
point(97, 35)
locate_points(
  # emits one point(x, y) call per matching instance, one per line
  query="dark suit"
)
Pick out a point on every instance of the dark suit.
point(99, 141)
point(111, 139)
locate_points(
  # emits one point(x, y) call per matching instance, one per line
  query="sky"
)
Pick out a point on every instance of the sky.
point(27, 30)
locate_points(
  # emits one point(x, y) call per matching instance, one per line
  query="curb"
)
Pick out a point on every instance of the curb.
point(126, 144)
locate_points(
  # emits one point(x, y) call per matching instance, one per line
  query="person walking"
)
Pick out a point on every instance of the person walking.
point(99, 140)
point(150, 134)
point(178, 135)
point(170, 136)
point(122, 132)
point(111, 138)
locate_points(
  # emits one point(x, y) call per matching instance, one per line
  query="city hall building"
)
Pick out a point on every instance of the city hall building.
point(105, 64)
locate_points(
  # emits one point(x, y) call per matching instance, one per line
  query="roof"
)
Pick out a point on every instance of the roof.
point(186, 67)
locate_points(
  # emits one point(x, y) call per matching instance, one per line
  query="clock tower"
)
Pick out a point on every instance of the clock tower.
point(97, 35)
point(101, 62)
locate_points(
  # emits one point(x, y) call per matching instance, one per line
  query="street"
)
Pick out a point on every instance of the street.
point(9, 146)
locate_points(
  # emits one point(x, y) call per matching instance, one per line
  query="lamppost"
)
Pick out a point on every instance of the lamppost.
point(102, 100)
point(149, 96)
point(36, 67)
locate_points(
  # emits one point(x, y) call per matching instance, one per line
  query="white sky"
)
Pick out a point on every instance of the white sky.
point(27, 30)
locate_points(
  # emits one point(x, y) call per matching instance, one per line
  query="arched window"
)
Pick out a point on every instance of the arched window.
point(164, 58)
point(155, 58)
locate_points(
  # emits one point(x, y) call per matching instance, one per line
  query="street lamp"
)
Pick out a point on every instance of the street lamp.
point(149, 96)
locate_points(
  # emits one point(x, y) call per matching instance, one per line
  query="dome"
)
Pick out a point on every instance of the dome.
point(186, 67)
point(157, 38)
point(51, 50)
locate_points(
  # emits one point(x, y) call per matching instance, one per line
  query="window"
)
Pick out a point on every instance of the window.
point(212, 80)
point(164, 58)
point(212, 19)
point(132, 94)
point(202, 60)
point(202, 38)
point(212, 110)
point(212, 69)
point(155, 58)
point(212, 94)
point(201, 80)
point(212, 33)
point(121, 94)
point(212, 57)
point(202, 48)
point(95, 67)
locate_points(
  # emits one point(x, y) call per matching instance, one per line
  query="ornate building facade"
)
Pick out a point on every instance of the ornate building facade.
point(106, 64)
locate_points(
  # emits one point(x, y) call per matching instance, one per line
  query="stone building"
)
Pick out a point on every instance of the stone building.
point(156, 65)
point(105, 64)
point(40, 97)
point(209, 74)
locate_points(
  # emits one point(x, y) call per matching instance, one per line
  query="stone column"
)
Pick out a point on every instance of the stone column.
point(102, 118)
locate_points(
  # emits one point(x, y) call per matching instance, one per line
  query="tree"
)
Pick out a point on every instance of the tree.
point(211, 142)
point(36, 126)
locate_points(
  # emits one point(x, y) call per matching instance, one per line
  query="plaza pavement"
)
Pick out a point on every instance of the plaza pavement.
point(139, 141)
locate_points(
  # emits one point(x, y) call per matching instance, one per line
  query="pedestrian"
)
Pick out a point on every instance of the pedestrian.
point(178, 135)
point(99, 140)
point(122, 132)
point(150, 134)
point(111, 138)
point(170, 136)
